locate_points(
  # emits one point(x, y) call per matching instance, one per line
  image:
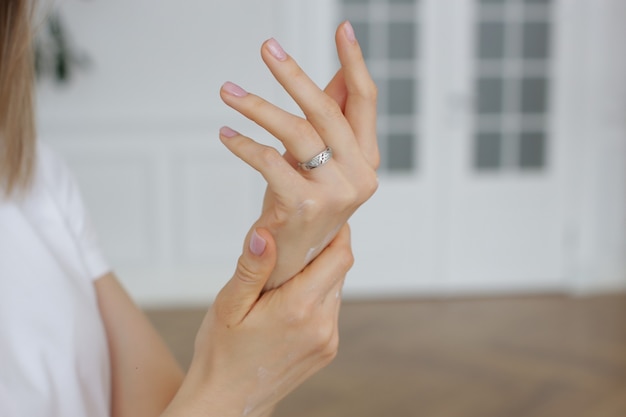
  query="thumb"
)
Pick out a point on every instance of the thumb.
point(254, 267)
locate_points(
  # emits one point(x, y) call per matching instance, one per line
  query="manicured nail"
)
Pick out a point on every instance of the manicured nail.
point(257, 244)
point(349, 30)
point(276, 50)
point(228, 132)
point(234, 89)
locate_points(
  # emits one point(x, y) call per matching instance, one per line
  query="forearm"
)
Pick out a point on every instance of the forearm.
point(144, 374)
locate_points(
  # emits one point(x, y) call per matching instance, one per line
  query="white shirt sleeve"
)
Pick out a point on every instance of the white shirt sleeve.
point(67, 195)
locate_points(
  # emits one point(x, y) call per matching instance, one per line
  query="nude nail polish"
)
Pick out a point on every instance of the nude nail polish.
point(234, 90)
point(228, 132)
point(349, 30)
point(276, 50)
point(257, 244)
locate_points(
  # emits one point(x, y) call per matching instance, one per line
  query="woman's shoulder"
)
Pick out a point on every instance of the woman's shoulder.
point(54, 178)
point(56, 190)
point(51, 169)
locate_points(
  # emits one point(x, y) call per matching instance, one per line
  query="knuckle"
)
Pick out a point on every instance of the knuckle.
point(297, 74)
point(370, 184)
point(299, 315)
point(348, 198)
point(326, 341)
point(279, 218)
point(369, 91)
point(333, 347)
point(269, 155)
point(255, 106)
point(309, 210)
point(319, 330)
point(375, 161)
point(330, 109)
point(304, 129)
point(346, 258)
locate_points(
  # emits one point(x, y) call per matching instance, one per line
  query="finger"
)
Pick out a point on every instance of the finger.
point(297, 134)
point(243, 290)
point(328, 269)
point(320, 109)
point(266, 160)
point(336, 89)
point(360, 109)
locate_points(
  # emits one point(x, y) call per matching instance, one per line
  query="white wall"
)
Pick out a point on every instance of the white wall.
point(596, 157)
point(140, 131)
point(172, 205)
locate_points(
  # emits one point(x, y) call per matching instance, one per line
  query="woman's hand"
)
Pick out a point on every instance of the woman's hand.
point(255, 347)
point(304, 210)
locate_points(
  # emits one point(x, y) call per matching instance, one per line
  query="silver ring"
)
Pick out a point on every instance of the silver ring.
point(318, 160)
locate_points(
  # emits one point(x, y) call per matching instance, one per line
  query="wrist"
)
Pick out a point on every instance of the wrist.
point(202, 394)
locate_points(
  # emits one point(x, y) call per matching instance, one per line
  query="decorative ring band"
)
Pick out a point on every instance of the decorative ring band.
point(318, 160)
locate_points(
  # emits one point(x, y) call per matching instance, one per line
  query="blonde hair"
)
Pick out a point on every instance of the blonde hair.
point(17, 120)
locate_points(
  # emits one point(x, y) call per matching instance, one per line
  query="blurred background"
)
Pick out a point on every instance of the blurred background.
point(490, 266)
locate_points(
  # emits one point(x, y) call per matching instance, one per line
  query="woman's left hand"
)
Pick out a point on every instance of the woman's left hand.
point(303, 209)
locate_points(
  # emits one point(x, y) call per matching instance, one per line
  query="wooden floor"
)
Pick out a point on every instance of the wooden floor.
point(518, 357)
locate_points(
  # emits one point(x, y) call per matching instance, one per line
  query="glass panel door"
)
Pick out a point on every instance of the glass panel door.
point(388, 33)
point(505, 224)
point(512, 52)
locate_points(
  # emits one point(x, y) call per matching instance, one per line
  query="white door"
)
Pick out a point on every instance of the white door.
point(396, 235)
point(506, 222)
point(470, 196)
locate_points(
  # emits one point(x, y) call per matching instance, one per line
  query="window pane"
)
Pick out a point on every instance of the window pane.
point(491, 40)
point(534, 95)
point(535, 38)
point(532, 150)
point(363, 35)
point(488, 151)
point(401, 96)
point(400, 152)
point(490, 91)
point(388, 33)
point(401, 40)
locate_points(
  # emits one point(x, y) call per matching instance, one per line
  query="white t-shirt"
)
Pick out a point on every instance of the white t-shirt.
point(53, 350)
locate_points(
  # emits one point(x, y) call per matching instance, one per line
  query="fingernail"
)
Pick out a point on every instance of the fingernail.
point(276, 50)
point(228, 132)
point(257, 244)
point(234, 89)
point(349, 30)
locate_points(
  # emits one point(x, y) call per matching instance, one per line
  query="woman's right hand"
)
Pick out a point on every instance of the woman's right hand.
point(304, 209)
point(255, 347)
